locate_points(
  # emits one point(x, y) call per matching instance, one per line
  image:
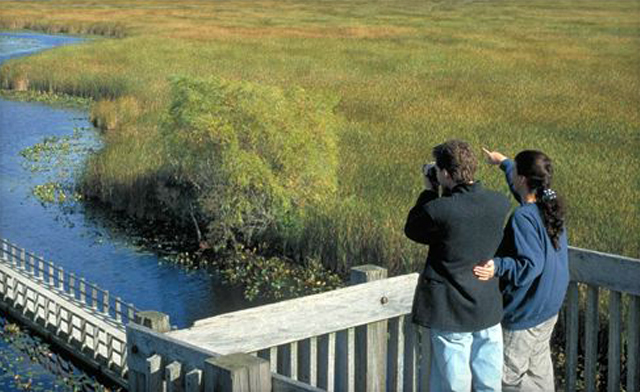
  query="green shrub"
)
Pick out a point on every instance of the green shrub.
point(252, 156)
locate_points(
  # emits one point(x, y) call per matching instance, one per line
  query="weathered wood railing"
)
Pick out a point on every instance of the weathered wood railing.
point(616, 277)
point(360, 338)
point(76, 315)
point(77, 287)
point(353, 339)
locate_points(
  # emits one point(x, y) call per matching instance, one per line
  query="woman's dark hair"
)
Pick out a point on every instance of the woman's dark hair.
point(536, 167)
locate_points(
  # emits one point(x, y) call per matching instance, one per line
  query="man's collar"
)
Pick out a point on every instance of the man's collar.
point(466, 187)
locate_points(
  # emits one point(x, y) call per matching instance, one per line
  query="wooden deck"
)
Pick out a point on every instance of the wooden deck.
point(358, 338)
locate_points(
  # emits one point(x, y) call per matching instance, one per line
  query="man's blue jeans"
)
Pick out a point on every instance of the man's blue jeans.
point(466, 361)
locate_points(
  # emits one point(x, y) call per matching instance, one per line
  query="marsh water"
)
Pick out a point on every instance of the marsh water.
point(75, 237)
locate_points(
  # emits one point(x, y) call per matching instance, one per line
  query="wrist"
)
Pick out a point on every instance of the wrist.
point(497, 266)
point(504, 163)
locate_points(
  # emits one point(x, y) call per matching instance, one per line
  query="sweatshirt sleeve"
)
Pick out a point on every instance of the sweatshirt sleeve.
point(508, 166)
point(420, 226)
point(528, 262)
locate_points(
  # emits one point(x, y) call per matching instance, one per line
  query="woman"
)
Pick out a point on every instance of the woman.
point(532, 266)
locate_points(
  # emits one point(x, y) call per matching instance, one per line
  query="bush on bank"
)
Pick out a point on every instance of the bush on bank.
point(237, 161)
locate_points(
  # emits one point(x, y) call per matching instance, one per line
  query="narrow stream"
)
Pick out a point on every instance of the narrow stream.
point(76, 239)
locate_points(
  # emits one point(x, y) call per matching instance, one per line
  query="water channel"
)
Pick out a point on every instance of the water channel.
point(76, 239)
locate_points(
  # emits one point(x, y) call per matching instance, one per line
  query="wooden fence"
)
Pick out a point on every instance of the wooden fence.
point(360, 338)
point(595, 274)
point(74, 314)
point(331, 341)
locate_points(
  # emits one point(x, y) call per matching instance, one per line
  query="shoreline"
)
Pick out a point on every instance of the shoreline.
point(171, 243)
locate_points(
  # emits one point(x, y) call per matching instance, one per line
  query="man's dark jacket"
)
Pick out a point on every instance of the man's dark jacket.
point(462, 228)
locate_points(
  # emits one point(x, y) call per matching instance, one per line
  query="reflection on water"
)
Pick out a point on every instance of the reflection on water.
point(76, 240)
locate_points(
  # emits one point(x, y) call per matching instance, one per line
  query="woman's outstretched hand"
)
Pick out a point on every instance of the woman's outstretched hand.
point(485, 270)
point(493, 157)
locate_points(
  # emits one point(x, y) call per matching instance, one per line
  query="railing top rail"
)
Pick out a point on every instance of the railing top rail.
point(293, 320)
point(267, 326)
point(613, 272)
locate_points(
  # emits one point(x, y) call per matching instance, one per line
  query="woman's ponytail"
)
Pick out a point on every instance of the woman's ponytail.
point(536, 167)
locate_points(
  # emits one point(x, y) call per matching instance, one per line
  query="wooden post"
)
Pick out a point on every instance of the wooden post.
point(41, 269)
point(94, 297)
point(395, 355)
point(118, 308)
point(173, 377)
point(83, 291)
point(344, 369)
point(156, 321)
point(615, 330)
point(371, 340)
point(61, 278)
point(237, 373)
point(193, 381)
point(367, 273)
point(288, 360)
point(72, 286)
point(409, 376)
point(5, 251)
point(105, 302)
point(23, 259)
point(154, 374)
point(131, 316)
point(424, 368)
point(571, 344)
point(52, 273)
point(591, 339)
point(140, 379)
point(13, 256)
point(633, 363)
point(326, 362)
point(308, 361)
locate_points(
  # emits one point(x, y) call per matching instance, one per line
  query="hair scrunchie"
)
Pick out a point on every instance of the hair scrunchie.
point(548, 195)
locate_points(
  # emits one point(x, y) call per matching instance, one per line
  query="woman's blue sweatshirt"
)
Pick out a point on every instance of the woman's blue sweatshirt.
point(533, 275)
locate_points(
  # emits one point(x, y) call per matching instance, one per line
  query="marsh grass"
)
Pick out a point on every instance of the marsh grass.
point(560, 76)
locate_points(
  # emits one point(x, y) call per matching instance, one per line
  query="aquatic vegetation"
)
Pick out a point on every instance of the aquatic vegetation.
point(58, 158)
point(28, 364)
point(275, 278)
point(54, 99)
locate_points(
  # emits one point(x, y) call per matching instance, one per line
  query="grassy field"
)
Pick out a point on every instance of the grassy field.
point(560, 76)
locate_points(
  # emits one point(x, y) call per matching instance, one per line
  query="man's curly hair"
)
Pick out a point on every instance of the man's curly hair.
point(458, 159)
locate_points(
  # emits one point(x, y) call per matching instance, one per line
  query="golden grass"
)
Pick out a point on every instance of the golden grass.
point(560, 76)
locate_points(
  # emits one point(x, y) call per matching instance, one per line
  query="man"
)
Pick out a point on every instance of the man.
point(461, 226)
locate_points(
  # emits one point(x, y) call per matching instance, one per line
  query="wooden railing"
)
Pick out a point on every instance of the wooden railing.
point(353, 339)
point(74, 286)
point(74, 314)
point(595, 275)
point(360, 338)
